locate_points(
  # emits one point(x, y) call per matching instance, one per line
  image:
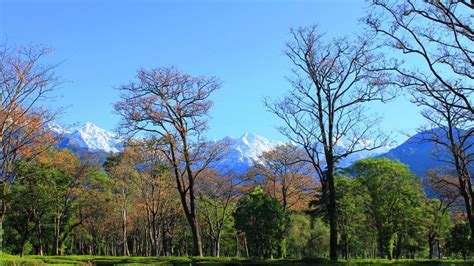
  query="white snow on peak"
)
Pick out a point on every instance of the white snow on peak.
point(56, 128)
point(245, 151)
point(97, 138)
point(89, 136)
point(242, 153)
point(251, 145)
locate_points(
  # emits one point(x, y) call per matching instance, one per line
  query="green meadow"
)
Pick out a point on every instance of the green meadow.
point(110, 260)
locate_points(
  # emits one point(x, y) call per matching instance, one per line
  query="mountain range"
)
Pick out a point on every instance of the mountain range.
point(89, 137)
point(95, 142)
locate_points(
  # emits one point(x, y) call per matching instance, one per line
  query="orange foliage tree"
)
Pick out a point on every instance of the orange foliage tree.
point(174, 107)
point(24, 84)
point(286, 176)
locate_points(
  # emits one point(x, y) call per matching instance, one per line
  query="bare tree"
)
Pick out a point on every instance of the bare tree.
point(436, 38)
point(439, 37)
point(452, 133)
point(24, 85)
point(325, 112)
point(174, 107)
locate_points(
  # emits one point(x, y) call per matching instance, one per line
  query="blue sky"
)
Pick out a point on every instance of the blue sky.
point(100, 44)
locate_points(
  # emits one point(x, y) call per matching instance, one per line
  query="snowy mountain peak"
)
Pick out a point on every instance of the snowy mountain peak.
point(251, 139)
point(244, 151)
point(253, 145)
point(89, 136)
point(91, 127)
point(91, 130)
point(56, 128)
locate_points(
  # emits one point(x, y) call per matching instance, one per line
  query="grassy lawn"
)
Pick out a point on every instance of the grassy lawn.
point(102, 260)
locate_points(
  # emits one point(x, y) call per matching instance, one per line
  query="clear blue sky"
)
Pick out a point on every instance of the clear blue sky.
point(102, 43)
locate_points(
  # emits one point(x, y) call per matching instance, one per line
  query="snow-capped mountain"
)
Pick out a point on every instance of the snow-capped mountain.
point(89, 137)
point(244, 151)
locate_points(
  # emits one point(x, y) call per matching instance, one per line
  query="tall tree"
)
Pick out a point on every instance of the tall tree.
point(394, 200)
point(452, 133)
point(174, 107)
point(350, 213)
point(439, 36)
point(24, 85)
point(325, 110)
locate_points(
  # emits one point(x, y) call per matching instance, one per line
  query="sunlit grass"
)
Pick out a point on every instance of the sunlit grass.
point(109, 260)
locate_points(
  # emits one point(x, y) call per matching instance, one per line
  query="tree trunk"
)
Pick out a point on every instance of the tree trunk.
point(126, 251)
point(197, 249)
point(1, 232)
point(164, 241)
point(22, 248)
point(237, 246)
point(471, 220)
point(431, 243)
point(438, 247)
point(332, 213)
point(3, 209)
point(197, 243)
point(271, 250)
point(346, 246)
point(61, 248)
point(154, 238)
point(57, 233)
point(398, 251)
point(189, 210)
point(464, 176)
point(381, 246)
point(218, 245)
point(246, 246)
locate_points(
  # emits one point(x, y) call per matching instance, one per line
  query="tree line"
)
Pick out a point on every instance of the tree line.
point(162, 195)
point(59, 205)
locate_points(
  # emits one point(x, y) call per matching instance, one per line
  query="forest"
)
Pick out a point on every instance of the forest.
point(162, 195)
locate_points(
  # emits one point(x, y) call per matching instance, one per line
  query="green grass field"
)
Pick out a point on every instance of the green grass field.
point(102, 260)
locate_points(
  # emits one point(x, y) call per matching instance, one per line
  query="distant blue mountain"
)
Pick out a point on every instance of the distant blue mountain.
point(420, 154)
